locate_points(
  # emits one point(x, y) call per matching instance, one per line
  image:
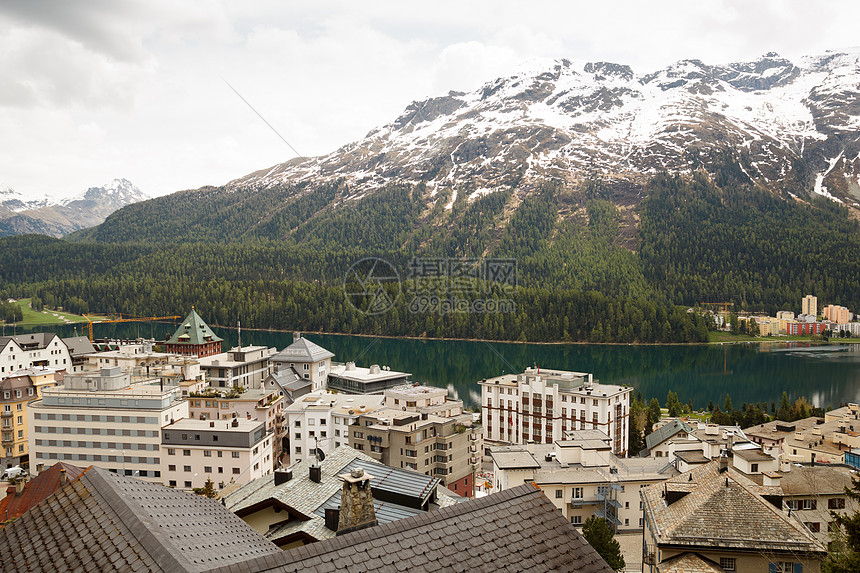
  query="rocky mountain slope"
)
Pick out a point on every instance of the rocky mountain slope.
point(792, 127)
point(19, 216)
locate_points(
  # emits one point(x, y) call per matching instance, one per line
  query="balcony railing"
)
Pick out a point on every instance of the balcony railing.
point(6, 414)
point(579, 502)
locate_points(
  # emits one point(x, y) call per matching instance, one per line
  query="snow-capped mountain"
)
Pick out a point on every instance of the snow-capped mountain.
point(58, 218)
point(792, 127)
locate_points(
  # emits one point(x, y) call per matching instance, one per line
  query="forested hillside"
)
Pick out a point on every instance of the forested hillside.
point(586, 270)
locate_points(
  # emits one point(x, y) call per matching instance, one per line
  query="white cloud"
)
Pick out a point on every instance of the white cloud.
point(99, 89)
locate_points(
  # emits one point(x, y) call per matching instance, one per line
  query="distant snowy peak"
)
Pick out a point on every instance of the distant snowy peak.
point(59, 218)
point(786, 124)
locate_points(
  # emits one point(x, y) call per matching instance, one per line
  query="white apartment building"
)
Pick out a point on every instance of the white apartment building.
point(582, 477)
point(245, 367)
point(310, 360)
point(24, 351)
point(322, 419)
point(106, 420)
point(539, 405)
point(225, 451)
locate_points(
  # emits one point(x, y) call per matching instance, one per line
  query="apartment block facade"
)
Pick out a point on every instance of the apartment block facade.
point(106, 420)
point(244, 367)
point(539, 405)
point(38, 350)
point(225, 451)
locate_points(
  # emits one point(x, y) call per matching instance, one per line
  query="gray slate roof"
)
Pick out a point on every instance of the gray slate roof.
point(106, 522)
point(79, 345)
point(665, 432)
point(302, 350)
point(513, 530)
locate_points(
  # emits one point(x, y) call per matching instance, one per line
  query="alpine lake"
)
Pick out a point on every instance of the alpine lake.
point(827, 375)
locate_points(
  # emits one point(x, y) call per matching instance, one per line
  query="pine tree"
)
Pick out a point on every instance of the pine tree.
point(844, 555)
point(208, 489)
point(598, 534)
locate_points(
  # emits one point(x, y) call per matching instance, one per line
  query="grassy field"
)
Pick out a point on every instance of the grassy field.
point(33, 317)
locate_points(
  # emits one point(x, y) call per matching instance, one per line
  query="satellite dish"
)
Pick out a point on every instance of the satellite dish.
point(320, 455)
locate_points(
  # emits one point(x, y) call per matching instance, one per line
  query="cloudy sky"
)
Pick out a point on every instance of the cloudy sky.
point(98, 89)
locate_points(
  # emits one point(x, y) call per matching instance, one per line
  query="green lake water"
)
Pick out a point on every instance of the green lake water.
point(826, 375)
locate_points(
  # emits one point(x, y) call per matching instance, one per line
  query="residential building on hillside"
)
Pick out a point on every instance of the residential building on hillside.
point(805, 328)
point(444, 447)
point(582, 477)
point(37, 350)
point(352, 379)
point(225, 451)
point(710, 439)
point(288, 383)
point(540, 405)
point(245, 367)
point(812, 492)
point(297, 506)
point(311, 361)
point(15, 394)
point(323, 420)
point(852, 328)
point(837, 314)
point(423, 399)
point(717, 513)
point(194, 338)
point(809, 305)
point(106, 420)
point(79, 348)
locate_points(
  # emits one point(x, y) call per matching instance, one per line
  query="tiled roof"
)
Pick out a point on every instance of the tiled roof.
point(513, 530)
point(665, 432)
point(111, 523)
point(193, 330)
point(712, 509)
point(310, 499)
point(36, 490)
point(817, 480)
point(302, 350)
point(689, 563)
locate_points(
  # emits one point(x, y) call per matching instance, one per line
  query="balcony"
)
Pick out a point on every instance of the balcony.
point(6, 414)
point(579, 502)
point(7, 439)
point(473, 437)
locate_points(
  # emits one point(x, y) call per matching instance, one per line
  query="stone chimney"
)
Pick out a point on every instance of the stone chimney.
point(356, 502)
point(63, 476)
point(296, 336)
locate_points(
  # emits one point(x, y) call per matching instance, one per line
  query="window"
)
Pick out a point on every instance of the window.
point(220, 470)
point(186, 452)
point(576, 519)
point(577, 493)
point(754, 468)
point(813, 526)
point(337, 432)
point(808, 504)
point(171, 468)
point(836, 503)
point(186, 469)
point(298, 423)
point(559, 493)
point(188, 484)
point(234, 454)
point(207, 469)
point(172, 483)
point(783, 567)
point(171, 452)
point(207, 454)
point(727, 563)
point(236, 471)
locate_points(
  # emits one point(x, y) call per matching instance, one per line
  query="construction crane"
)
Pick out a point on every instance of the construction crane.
point(90, 322)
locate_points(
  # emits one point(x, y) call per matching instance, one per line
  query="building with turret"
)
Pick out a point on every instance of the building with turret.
point(193, 338)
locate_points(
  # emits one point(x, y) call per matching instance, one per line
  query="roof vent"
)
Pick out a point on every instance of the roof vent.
point(283, 476)
point(235, 422)
point(374, 369)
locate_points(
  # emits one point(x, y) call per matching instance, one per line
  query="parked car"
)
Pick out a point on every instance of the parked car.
point(13, 472)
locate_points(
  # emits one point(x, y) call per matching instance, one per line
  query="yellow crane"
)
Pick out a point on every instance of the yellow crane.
point(90, 321)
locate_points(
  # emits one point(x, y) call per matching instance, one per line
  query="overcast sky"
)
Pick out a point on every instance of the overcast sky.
point(98, 89)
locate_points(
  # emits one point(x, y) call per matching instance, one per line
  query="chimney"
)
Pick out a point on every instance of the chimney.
point(19, 486)
point(723, 464)
point(812, 460)
point(316, 473)
point(62, 476)
point(283, 476)
point(296, 336)
point(356, 502)
point(332, 517)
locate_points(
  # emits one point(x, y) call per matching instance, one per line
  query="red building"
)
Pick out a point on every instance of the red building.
point(194, 338)
point(804, 328)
